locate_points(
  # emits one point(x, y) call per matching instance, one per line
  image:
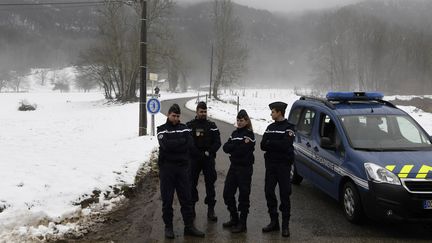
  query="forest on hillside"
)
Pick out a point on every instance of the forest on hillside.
point(373, 45)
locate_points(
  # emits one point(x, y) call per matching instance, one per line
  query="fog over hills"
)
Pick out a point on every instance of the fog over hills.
point(286, 49)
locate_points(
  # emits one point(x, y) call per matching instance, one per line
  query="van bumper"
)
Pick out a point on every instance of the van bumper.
point(395, 203)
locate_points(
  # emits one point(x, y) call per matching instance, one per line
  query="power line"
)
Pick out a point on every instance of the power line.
point(58, 3)
point(36, 7)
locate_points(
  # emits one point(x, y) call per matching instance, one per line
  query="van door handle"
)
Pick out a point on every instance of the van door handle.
point(308, 144)
point(316, 149)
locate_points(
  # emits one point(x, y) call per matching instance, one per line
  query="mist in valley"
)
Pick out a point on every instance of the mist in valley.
point(383, 45)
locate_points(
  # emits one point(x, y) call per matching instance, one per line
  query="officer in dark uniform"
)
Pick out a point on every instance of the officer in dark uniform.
point(175, 143)
point(207, 142)
point(277, 142)
point(240, 146)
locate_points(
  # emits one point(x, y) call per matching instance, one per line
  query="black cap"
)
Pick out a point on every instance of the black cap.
point(242, 114)
point(278, 105)
point(174, 109)
point(202, 105)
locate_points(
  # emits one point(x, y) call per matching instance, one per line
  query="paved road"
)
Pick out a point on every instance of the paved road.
point(315, 216)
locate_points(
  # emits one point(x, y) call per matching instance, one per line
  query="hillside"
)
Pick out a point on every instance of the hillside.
point(288, 50)
point(45, 35)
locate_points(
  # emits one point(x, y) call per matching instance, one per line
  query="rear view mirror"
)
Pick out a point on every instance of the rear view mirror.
point(326, 143)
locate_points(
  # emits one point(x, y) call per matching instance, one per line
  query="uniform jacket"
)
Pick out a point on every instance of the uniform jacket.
point(206, 137)
point(277, 142)
point(175, 143)
point(241, 153)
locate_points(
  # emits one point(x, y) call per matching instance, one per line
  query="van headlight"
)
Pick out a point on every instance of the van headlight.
point(379, 174)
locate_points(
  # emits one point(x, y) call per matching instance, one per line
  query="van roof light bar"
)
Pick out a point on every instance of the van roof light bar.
point(353, 96)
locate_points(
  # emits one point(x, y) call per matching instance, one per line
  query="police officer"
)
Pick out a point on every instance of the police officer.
point(240, 146)
point(207, 142)
point(277, 142)
point(174, 170)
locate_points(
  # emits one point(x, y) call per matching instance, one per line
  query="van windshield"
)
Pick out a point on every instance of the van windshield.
point(385, 133)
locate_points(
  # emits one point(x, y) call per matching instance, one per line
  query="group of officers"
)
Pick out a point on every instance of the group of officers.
point(187, 149)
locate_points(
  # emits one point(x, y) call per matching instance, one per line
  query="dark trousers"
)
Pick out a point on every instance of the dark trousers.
point(207, 166)
point(175, 177)
point(278, 173)
point(238, 177)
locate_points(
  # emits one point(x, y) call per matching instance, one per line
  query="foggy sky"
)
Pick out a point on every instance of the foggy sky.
point(286, 5)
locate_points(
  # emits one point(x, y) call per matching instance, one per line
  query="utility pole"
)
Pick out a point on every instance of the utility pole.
point(143, 67)
point(211, 72)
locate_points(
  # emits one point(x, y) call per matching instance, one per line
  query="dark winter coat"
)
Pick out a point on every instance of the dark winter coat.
point(206, 137)
point(277, 142)
point(241, 153)
point(175, 143)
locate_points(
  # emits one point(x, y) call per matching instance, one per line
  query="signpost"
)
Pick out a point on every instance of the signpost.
point(153, 77)
point(143, 69)
point(153, 106)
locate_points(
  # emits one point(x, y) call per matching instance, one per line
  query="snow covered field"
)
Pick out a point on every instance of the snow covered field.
point(56, 156)
point(75, 143)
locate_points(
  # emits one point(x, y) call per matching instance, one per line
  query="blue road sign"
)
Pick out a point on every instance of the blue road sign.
point(153, 106)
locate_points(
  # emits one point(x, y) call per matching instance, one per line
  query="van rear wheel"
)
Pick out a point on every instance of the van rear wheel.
point(295, 178)
point(351, 203)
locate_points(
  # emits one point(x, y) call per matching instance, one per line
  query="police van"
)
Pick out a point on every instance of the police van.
point(366, 153)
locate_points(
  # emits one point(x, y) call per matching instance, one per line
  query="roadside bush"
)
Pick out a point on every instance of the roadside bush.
point(26, 106)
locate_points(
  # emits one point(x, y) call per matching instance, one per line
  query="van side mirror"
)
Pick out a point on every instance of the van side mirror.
point(326, 143)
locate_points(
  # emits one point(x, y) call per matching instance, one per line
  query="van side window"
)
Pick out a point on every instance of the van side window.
point(306, 122)
point(328, 130)
point(295, 116)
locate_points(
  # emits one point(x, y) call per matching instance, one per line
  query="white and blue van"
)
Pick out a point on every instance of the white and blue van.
point(366, 153)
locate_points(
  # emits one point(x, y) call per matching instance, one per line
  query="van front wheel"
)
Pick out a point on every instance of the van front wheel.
point(351, 203)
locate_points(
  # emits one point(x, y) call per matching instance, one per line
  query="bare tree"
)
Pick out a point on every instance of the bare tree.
point(86, 82)
point(62, 83)
point(230, 52)
point(4, 77)
point(54, 77)
point(17, 79)
point(42, 74)
point(114, 59)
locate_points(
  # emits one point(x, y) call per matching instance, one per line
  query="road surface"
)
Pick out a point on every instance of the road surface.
point(315, 216)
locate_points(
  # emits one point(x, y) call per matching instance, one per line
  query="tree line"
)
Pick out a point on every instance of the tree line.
point(360, 50)
point(375, 45)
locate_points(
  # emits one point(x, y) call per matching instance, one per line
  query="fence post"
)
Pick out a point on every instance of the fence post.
point(238, 103)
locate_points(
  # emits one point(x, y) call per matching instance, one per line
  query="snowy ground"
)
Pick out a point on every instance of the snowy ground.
point(56, 156)
point(254, 101)
point(75, 143)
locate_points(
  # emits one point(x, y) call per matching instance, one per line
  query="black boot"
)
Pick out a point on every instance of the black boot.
point(169, 232)
point(273, 226)
point(285, 228)
point(192, 231)
point(241, 226)
point(211, 214)
point(193, 211)
point(232, 222)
